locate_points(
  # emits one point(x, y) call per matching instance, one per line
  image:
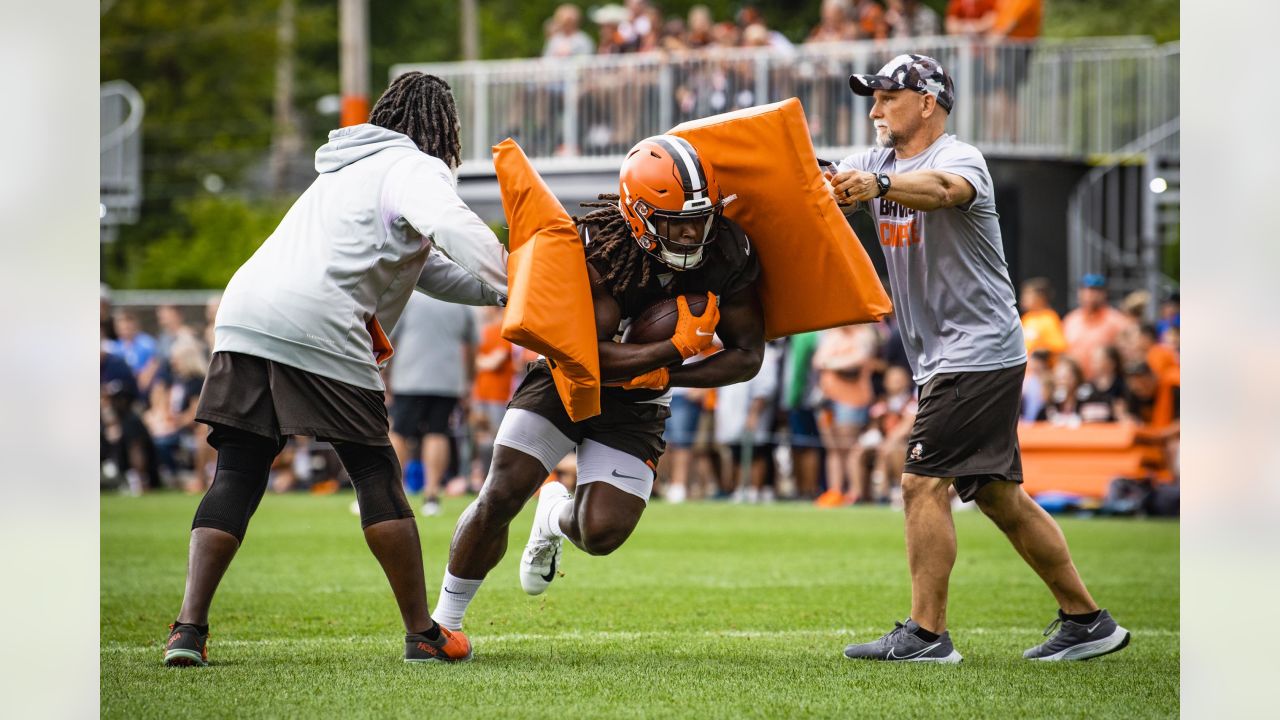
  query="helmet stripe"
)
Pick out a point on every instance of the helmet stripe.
point(701, 186)
point(684, 164)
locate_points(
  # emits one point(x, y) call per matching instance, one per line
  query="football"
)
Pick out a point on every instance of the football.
point(658, 321)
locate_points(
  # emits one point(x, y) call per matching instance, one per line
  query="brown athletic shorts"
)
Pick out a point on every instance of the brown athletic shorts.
point(272, 399)
point(967, 429)
point(635, 428)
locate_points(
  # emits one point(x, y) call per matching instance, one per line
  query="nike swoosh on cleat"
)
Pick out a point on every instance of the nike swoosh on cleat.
point(551, 574)
point(629, 477)
point(891, 656)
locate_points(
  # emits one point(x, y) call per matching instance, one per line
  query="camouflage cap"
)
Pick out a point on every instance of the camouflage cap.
point(919, 73)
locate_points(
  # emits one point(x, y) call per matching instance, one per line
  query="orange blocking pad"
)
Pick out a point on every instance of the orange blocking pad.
point(1081, 460)
point(815, 273)
point(549, 307)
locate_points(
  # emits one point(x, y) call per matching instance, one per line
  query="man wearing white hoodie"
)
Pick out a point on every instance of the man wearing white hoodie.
point(301, 334)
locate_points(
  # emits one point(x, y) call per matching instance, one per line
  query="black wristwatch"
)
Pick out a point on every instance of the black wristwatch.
point(882, 182)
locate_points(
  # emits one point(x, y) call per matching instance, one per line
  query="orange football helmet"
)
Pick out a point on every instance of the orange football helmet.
point(664, 190)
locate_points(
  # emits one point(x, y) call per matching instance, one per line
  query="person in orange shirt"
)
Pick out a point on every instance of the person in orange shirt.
point(971, 18)
point(495, 370)
point(1159, 356)
point(1017, 19)
point(1041, 326)
point(1094, 324)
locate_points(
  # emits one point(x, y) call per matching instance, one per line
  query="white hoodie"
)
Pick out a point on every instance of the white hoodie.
point(353, 247)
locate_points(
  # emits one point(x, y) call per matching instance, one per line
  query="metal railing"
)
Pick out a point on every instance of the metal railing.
point(121, 111)
point(1114, 218)
point(1065, 99)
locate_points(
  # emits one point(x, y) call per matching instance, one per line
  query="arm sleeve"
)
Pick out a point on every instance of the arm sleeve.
point(421, 191)
point(965, 160)
point(856, 161)
point(443, 279)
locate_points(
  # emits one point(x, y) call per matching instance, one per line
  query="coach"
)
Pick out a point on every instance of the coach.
point(932, 201)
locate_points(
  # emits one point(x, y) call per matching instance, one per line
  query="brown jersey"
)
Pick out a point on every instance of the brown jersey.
point(731, 267)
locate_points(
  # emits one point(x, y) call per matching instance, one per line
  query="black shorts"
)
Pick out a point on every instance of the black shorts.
point(272, 399)
point(634, 428)
point(413, 416)
point(967, 429)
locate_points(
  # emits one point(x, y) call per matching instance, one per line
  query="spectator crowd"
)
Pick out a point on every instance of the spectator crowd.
point(828, 416)
point(704, 76)
point(641, 26)
point(825, 420)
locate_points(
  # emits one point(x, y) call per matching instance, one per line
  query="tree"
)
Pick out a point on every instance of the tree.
point(204, 72)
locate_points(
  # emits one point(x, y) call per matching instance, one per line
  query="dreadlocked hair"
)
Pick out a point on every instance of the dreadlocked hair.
point(421, 106)
point(611, 241)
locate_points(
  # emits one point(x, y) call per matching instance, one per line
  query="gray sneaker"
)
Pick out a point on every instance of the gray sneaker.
point(902, 645)
point(1080, 642)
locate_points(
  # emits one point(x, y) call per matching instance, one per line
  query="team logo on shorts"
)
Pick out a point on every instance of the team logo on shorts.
point(917, 452)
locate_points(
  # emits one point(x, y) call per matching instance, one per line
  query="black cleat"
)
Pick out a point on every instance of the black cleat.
point(187, 646)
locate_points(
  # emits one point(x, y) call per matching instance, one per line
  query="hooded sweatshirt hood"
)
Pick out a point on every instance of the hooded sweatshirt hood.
point(357, 142)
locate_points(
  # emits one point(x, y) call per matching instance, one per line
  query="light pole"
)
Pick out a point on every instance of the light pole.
point(353, 21)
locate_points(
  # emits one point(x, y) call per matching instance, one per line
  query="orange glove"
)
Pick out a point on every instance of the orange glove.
point(652, 380)
point(694, 333)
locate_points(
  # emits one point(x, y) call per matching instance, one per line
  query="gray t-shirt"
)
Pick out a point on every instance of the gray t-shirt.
point(947, 273)
point(429, 340)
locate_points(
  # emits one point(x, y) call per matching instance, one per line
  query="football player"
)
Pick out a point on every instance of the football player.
point(663, 236)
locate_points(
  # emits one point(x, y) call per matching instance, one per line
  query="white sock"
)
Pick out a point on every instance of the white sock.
point(455, 595)
point(551, 528)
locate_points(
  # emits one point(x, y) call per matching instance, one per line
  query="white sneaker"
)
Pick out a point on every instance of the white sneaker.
point(431, 508)
point(541, 559)
point(676, 494)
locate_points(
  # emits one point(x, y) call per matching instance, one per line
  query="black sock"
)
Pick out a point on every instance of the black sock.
point(433, 634)
point(925, 635)
point(1084, 619)
point(204, 629)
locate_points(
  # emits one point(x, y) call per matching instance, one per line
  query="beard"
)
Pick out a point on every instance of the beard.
point(885, 139)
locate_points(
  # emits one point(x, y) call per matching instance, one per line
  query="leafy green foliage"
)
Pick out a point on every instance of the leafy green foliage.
point(1091, 18)
point(710, 611)
point(205, 70)
point(218, 234)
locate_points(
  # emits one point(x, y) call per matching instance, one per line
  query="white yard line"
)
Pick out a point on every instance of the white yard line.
point(602, 636)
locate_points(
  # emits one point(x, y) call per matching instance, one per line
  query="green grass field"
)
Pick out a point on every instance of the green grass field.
point(710, 610)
